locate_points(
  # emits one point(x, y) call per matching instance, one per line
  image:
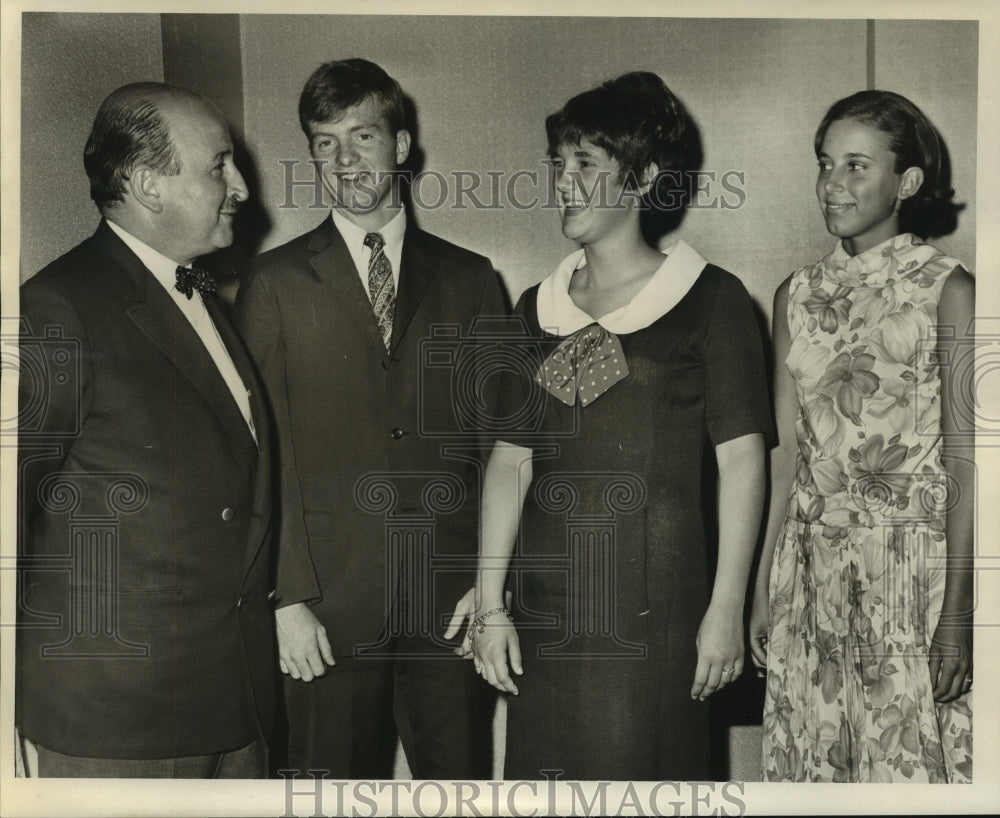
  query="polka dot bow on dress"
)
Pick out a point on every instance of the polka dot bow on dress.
point(587, 363)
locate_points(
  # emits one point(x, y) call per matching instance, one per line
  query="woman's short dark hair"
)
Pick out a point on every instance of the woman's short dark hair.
point(341, 84)
point(916, 143)
point(129, 131)
point(636, 119)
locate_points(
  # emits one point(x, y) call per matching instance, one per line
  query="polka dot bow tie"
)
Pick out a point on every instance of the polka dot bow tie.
point(587, 364)
point(190, 279)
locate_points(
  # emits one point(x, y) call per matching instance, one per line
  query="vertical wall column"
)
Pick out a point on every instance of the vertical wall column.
point(203, 52)
point(870, 55)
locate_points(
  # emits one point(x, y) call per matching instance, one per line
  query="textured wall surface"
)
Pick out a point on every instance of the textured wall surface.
point(483, 86)
point(936, 66)
point(69, 64)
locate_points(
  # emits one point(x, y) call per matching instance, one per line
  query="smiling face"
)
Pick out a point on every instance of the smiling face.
point(357, 155)
point(593, 201)
point(200, 202)
point(858, 188)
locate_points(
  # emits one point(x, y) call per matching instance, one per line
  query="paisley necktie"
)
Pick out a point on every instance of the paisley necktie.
point(381, 290)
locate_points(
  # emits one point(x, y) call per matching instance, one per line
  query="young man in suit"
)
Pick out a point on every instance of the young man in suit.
point(146, 645)
point(379, 511)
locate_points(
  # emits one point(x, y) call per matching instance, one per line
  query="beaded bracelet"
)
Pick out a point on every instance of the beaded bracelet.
point(479, 623)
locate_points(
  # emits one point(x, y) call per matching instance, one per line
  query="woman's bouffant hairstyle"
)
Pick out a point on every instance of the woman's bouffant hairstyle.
point(916, 143)
point(637, 120)
point(341, 84)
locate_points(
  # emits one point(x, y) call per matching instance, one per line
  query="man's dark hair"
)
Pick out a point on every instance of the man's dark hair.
point(341, 84)
point(129, 131)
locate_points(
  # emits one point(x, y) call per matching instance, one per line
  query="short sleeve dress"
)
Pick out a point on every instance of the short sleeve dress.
point(858, 575)
point(610, 574)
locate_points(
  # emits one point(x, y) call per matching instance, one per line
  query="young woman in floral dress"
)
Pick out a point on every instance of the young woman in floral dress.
point(862, 613)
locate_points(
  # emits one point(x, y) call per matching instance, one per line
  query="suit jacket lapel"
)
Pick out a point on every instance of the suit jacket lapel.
point(333, 264)
point(157, 316)
point(237, 354)
point(262, 483)
point(416, 271)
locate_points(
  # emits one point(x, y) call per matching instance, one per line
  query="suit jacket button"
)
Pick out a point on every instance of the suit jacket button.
point(228, 514)
point(397, 434)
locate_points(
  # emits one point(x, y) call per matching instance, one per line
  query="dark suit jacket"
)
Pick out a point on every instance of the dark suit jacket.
point(144, 512)
point(379, 475)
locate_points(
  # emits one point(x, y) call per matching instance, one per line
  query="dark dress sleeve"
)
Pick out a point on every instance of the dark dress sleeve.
point(737, 400)
point(521, 403)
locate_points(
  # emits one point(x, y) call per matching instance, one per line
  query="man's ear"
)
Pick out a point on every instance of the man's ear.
point(402, 146)
point(910, 182)
point(143, 186)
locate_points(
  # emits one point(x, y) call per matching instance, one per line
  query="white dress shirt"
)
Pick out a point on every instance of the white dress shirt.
point(165, 271)
point(354, 238)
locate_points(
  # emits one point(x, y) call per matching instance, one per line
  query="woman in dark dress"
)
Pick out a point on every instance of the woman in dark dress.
point(634, 363)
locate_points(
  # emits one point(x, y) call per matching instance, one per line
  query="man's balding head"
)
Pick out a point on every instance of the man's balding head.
point(130, 130)
point(160, 163)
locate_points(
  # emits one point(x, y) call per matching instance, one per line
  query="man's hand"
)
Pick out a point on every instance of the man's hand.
point(464, 610)
point(302, 643)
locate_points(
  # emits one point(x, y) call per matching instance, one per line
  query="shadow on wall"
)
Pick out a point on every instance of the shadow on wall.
point(252, 224)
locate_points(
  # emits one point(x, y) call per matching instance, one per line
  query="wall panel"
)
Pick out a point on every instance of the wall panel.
point(483, 86)
point(935, 64)
point(69, 64)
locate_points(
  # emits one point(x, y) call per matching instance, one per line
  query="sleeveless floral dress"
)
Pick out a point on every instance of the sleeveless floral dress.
point(858, 575)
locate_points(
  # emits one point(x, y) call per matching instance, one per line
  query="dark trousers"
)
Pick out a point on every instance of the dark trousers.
point(245, 762)
point(344, 724)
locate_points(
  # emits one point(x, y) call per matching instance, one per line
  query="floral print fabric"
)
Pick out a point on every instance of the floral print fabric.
point(858, 574)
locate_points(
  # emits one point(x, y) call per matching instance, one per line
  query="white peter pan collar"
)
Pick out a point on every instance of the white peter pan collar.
point(558, 315)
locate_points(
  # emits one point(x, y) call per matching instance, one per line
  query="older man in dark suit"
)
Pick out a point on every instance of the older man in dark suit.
point(146, 644)
point(361, 330)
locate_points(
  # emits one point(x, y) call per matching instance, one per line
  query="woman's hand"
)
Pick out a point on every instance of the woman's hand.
point(759, 614)
point(491, 650)
point(720, 651)
point(951, 660)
